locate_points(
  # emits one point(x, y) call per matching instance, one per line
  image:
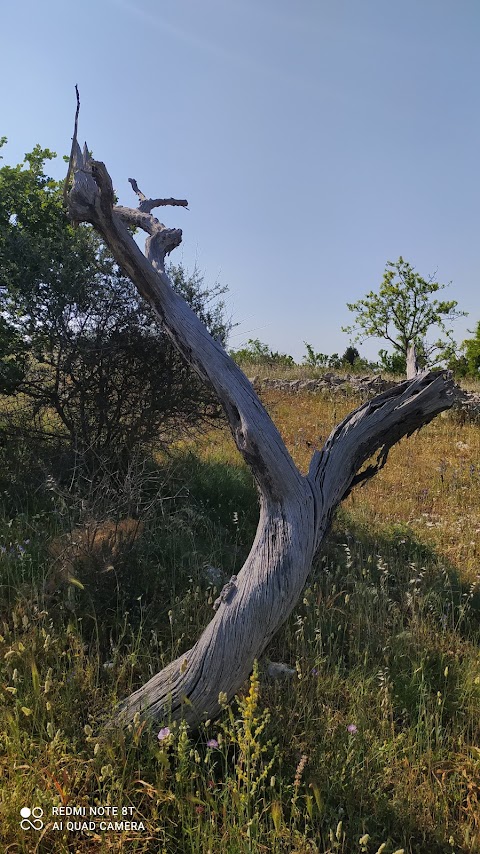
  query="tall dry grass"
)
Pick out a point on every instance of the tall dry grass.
point(370, 744)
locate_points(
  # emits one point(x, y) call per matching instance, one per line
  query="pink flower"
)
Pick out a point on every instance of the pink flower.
point(164, 733)
point(352, 729)
point(212, 742)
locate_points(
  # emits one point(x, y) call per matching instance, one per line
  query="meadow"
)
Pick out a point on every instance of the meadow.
point(370, 742)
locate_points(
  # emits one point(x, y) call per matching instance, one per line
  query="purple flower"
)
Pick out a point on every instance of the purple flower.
point(164, 733)
point(212, 742)
point(314, 671)
point(352, 729)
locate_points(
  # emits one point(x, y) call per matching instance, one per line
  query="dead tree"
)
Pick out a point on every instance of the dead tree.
point(295, 510)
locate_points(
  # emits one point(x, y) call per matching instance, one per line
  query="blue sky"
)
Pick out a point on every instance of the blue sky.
point(314, 140)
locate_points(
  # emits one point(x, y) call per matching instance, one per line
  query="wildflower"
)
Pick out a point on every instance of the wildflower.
point(212, 742)
point(314, 671)
point(351, 728)
point(164, 733)
point(300, 770)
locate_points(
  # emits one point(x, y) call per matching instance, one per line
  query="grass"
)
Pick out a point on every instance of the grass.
point(372, 745)
point(434, 476)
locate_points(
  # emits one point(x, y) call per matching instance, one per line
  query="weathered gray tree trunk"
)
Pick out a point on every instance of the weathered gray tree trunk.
point(295, 510)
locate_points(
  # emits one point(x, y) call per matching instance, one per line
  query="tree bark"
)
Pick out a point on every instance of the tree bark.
point(295, 510)
point(412, 362)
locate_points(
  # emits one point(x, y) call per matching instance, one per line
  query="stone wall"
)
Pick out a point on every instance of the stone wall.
point(365, 386)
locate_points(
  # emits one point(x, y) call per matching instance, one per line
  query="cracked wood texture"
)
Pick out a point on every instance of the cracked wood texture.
point(295, 510)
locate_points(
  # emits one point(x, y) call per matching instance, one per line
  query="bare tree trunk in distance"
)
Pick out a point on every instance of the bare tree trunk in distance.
point(412, 363)
point(295, 510)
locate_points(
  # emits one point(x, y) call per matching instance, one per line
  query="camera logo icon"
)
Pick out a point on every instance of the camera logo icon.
point(31, 818)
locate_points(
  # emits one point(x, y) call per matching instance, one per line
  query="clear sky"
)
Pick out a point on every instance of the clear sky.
point(314, 139)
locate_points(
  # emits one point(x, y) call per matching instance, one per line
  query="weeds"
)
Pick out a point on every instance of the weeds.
point(371, 745)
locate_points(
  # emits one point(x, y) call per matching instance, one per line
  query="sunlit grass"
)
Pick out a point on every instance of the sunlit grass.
point(431, 482)
point(375, 739)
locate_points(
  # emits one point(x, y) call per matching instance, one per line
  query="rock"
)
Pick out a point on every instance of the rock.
point(277, 670)
point(367, 386)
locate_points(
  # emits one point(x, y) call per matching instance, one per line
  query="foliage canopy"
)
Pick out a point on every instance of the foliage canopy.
point(467, 364)
point(76, 339)
point(403, 311)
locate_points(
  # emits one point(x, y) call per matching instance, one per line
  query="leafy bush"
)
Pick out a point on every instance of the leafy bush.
point(313, 359)
point(471, 348)
point(392, 363)
point(78, 342)
point(258, 353)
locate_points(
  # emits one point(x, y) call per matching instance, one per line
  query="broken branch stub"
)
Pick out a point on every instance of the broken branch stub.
point(295, 510)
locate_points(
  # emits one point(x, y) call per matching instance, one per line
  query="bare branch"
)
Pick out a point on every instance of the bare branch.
point(376, 426)
point(147, 205)
point(164, 239)
point(68, 178)
point(136, 190)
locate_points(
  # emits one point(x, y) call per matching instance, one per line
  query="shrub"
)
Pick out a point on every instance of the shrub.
point(77, 341)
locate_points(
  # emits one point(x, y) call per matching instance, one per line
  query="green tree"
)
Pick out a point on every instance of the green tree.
point(471, 350)
point(75, 338)
point(350, 356)
point(392, 363)
point(404, 311)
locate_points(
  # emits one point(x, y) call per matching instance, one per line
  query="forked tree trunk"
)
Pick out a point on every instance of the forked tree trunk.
point(295, 510)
